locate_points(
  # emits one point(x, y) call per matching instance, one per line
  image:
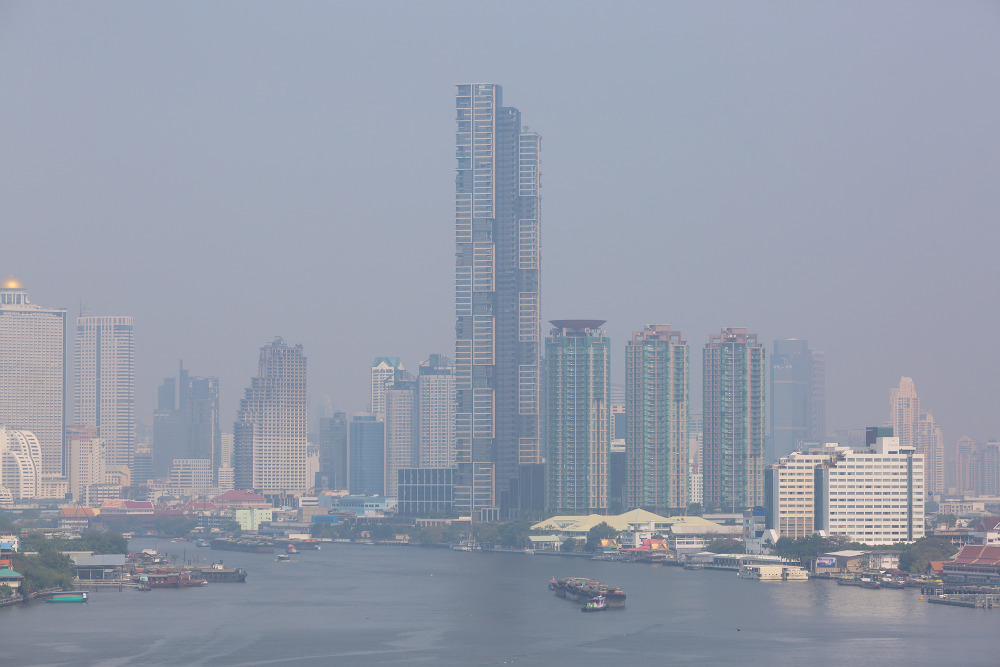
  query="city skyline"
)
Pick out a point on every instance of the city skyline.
point(842, 173)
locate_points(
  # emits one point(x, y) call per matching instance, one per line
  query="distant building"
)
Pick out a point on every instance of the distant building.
point(187, 426)
point(269, 435)
point(20, 463)
point(87, 469)
point(733, 417)
point(656, 405)
point(577, 415)
point(367, 455)
point(401, 435)
point(384, 373)
point(798, 397)
point(105, 383)
point(333, 451)
point(917, 429)
point(33, 371)
point(968, 474)
point(436, 400)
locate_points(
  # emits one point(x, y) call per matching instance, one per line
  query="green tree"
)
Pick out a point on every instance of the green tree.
point(917, 556)
point(930, 506)
point(601, 531)
point(949, 519)
point(570, 545)
point(695, 509)
point(726, 545)
point(6, 591)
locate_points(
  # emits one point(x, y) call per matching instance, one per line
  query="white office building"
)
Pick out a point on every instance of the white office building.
point(436, 398)
point(33, 371)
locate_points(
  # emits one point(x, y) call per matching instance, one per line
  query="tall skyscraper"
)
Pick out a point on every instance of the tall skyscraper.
point(917, 429)
point(367, 457)
point(105, 383)
point(269, 435)
point(656, 405)
point(400, 430)
point(497, 301)
point(333, 450)
point(33, 371)
point(798, 397)
point(968, 475)
point(187, 426)
point(577, 416)
point(385, 370)
point(436, 399)
point(733, 420)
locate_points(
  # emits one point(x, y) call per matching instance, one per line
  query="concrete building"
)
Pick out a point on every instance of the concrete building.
point(436, 399)
point(497, 302)
point(187, 426)
point(798, 397)
point(917, 429)
point(733, 420)
point(33, 371)
point(875, 496)
point(577, 415)
point(333, 452)
point(385, 370)
point(269, 435)
point(105, 383)
point(401, 435)
point(20, 463)
point(656, 405)
point(426, 491)
point(367, 455)
point(790, 491)
point(86, 467)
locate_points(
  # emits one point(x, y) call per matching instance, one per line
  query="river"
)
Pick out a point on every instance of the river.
point(367, 605)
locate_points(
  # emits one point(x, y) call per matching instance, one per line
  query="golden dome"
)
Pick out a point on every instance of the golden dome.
point(11, 283)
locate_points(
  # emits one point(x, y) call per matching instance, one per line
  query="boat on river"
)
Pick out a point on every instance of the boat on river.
point(598, 603)
point(584, 590)
point(219, 573)
point(69, 596)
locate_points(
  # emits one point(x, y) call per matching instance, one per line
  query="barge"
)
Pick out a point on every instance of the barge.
point(246, 546)
point(581, 589)
point(69, 596)
point(219, 573)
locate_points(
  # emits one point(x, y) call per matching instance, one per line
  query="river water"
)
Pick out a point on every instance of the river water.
point(365, 605)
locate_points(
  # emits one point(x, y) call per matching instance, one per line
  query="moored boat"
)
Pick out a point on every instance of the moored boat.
point(597, 603)
point(69, 596)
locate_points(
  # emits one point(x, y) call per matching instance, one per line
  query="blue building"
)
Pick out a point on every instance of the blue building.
point(367, 456)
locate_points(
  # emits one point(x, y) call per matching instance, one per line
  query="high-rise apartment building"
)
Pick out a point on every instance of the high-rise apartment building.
point(436, 399)
point(968, 475)
point(385, 370)
point(33, 371)
point(367, 457)
point(400, 431)
point(917, 429)
point(798, 397)
point(333, 451)
point(656, 405)
point(990, 469)
point(20, 463)
point(497, 302)
point(577, 416)
point(733, 420)
point(86, 464)
point(269, 435)
point(105, 383)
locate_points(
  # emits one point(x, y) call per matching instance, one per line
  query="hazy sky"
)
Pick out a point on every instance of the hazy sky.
point(231, 171)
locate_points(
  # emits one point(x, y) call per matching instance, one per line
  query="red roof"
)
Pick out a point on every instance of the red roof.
point(978, 555)
point(988, 523)
point(200, 506)
point(77, 512)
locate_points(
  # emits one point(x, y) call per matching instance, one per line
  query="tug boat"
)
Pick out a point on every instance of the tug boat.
point(597, 603)
point(584, 590)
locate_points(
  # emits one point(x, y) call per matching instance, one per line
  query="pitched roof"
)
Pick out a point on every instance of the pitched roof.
point(7, 572)
point(240, 496)
point(977, 555)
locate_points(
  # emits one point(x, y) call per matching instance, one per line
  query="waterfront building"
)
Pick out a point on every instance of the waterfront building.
point(105, 383)
point(874, 496)
point(333, 451)
point(385, 370)
point(497, 302)
point(436, 400)
point(656, 405)
point(577, 415)
point(798, 397)
point(790, 492)
point(269, 434)
point(33, 371)
point(917, 429)
point(426, 491)
point(400, 430)
point(367, 455)
point(733, 420)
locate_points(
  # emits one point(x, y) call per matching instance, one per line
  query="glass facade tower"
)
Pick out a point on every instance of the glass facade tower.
point(497, 299)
